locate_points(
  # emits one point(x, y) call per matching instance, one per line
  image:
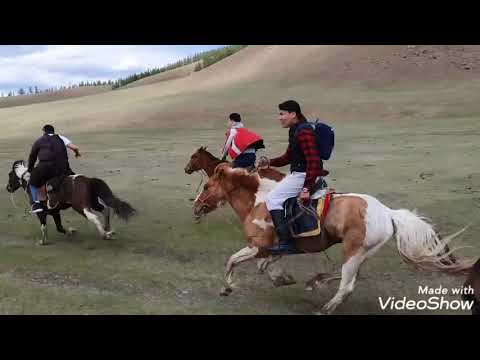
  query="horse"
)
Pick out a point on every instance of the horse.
point(204, 161)
point(85, 195)
point(360, 222)
point(473, 281)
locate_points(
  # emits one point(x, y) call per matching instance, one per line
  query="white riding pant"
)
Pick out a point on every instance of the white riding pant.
point(289, 187)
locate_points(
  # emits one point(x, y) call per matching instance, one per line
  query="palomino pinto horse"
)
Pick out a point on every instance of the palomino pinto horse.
point(360, 222)
point(85, 195)
point(473, 280)
point(203, 161)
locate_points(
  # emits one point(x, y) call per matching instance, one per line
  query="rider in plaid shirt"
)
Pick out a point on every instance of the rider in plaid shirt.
point(306, 168)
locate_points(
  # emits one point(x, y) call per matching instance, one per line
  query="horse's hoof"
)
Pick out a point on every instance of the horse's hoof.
point(225, 291)
point(284, 280)
point(71, 231)
point(320, 313)
point(42, 243)
point(109, 235)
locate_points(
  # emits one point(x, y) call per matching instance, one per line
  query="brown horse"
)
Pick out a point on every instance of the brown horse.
point(473, 281)
point(360, 222)
point(85, 195)
point(202, 160)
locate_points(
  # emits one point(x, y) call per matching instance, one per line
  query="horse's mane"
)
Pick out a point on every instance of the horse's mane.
point(243, 178)
point(271, 174)
point(204, 150)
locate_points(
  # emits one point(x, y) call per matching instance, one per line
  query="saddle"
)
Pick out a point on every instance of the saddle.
point(309, 223)
point(53, 185)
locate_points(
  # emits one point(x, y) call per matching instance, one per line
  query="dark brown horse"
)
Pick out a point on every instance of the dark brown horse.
point(85, 195)
point(473, 281)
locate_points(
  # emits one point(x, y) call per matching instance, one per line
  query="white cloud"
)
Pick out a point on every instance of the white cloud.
point(58, 65)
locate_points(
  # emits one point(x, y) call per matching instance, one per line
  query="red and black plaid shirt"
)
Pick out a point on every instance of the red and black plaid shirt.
point(306, 142)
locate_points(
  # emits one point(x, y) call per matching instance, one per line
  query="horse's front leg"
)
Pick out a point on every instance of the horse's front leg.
point(277, 275)
point(58, 223)
point(42, 216)
point(245, 254)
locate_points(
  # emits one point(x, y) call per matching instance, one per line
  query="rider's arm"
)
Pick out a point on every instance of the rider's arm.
point(75, 149)
point(306, 141)
point(228, 143)
point(33, 156)
point(282, 160)
point(68, 143)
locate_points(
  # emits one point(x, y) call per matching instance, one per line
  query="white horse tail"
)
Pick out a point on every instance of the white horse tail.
point(419, 244)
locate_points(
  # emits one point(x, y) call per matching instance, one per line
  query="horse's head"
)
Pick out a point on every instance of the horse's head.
point(197, 161)
point(214, 192)
point(225, 184)
point(18, 174)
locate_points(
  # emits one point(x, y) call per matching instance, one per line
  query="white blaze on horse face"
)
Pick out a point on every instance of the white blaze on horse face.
point(20, 170)
point(262, 224)
point(266, 185)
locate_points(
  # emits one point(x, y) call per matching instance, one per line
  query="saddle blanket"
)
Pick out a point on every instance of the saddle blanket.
point(303, 224)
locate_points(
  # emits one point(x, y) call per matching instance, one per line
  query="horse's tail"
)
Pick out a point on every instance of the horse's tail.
point(419, 244)
point(121, 208)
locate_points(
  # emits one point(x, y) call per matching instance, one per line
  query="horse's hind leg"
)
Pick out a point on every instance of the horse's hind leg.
point(94, 219)
point(105, 209)
point(349, 274)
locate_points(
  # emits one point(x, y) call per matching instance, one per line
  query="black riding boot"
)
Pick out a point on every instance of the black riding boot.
point(285, 242)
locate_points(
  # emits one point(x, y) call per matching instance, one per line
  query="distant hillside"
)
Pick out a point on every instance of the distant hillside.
point(11, 101)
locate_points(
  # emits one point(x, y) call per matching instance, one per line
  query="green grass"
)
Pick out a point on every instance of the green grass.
point(164, 263)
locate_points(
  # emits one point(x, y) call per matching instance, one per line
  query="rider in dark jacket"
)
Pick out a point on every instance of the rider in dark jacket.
point(51, 152)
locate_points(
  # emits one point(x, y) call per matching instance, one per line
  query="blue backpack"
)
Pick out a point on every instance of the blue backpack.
point(324, 135)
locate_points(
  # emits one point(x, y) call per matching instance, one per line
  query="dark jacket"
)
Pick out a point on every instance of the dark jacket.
point(49, 148)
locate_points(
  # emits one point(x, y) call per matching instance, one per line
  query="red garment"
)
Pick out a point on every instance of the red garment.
point(243, 140)
point(306, 141)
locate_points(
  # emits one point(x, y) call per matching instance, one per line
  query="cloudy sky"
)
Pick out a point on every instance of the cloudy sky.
point(46, 66)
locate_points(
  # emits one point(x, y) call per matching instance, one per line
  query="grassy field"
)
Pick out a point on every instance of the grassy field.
point(408, 137)
point(164, 263)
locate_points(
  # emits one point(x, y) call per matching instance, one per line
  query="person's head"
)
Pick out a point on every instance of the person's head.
point(48, 129)
point(290, 113)
point(233, 119)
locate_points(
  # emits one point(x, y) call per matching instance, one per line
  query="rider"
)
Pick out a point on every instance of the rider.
point(51, 151)
point(241, 143)
point(306, 168)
